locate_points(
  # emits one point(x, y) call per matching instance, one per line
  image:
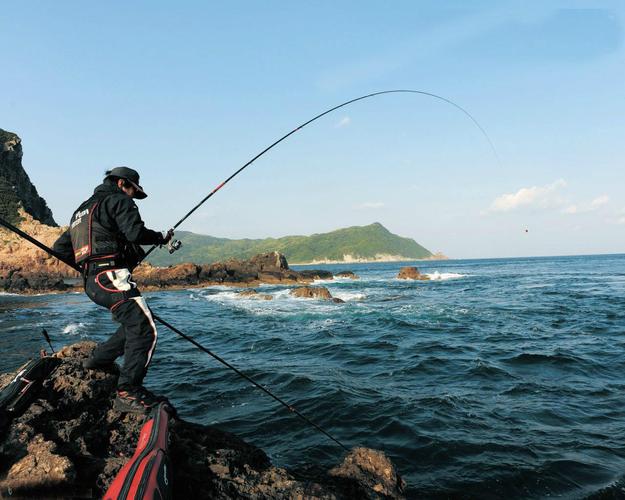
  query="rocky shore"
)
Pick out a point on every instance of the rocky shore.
point(25, 269)
point(269, 268)
point(71, 443)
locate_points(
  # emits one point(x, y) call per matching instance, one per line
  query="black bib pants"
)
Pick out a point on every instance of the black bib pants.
point(136, 336)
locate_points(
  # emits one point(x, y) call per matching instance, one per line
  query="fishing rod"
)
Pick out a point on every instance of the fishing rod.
point(46, 336)
point(73, 265)
point(299, 127)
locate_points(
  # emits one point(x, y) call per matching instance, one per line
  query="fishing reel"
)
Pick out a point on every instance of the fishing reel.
point(173, 245)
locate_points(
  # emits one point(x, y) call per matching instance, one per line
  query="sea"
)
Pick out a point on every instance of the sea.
point(497, 378)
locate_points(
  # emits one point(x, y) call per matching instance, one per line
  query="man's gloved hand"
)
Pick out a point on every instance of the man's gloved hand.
point(166, 237)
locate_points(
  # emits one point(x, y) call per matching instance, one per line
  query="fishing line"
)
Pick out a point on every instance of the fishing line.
point(299, 127)
point(43, 247)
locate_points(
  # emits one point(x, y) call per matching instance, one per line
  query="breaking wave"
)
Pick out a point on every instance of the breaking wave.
point(438, 276)
point(75, 329)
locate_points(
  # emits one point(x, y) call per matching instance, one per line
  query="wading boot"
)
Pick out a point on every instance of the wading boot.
point(137, 400)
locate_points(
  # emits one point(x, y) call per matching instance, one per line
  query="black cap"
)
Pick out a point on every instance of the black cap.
point(131, 176)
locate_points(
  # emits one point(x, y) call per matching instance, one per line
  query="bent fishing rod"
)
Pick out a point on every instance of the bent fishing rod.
point(73, 265)
point(299, 127)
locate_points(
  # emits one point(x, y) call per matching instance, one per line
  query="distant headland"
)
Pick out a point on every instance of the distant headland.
point(371, 243)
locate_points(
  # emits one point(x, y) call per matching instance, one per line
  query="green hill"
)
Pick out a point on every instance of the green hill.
point(372, 242)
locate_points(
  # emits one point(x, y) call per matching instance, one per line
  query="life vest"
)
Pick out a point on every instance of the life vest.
point(89, 238)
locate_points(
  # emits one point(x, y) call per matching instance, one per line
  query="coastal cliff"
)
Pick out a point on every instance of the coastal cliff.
point(16, 189)
point(24, 268)
point(71, 442)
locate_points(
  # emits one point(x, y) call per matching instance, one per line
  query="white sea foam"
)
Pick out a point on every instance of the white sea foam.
point(73, 329)
point(210, 287)
point(349, 296)
point(282, 303)
point(325, 281)
point(336, 279)
point(437, 276)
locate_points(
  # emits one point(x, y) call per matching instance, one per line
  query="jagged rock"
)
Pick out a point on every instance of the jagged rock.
point(269, 262)
point(347, 274)
point(411, 273)
point(316, 274)
point(26, 269)
point(71, 440)
point(16, 190)
point(375, 473)
point(270, 268)
point(40, 469)
point(312, 292)
point(16, 281)
point(147, 275)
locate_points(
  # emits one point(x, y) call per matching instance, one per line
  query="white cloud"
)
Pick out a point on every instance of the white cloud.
point(369, 205)
point(604, 199)
point(587, 207)
point(343, 122)
point(535, 196)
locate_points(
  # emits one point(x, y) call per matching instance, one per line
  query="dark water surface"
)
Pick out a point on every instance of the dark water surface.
point(500, 378)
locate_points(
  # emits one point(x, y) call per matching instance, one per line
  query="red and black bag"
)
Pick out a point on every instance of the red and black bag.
point(147, 475)
point(17, 396)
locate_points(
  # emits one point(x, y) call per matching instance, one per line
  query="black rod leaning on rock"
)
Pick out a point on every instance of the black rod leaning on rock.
point(44, 332)
point(43, 247)
point(346, 103)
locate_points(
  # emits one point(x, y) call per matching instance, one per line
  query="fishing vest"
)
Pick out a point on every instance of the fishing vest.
point(89, 238)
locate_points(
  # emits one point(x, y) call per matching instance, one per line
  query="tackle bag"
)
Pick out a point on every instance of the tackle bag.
point(17, 396)
point(147, 475)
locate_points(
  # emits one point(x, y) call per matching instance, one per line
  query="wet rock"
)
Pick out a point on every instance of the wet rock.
point(70, 442)
point(411, 273)
point(311, 292)
point(371, 474)
point(347, 274)
point(316, 274)
point(18, 281)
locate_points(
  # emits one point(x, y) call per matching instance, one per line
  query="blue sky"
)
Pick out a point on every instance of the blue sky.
point(187, 93)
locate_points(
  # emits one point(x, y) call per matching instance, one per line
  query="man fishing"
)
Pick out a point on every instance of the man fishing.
point(104, 239)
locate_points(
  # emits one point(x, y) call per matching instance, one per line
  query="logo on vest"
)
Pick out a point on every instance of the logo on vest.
point(78, 217)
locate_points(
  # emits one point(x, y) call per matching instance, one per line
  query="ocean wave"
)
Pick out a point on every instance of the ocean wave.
point(281, 304)
point(528, 358)
point(349, 296)
point(74, 329)
point(322, 281)
point(438, 276)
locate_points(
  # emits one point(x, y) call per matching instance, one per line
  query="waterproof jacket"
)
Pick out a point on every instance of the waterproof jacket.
point(121, 229)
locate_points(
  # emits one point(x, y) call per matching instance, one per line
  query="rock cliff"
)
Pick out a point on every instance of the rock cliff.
point(26, 269)
point(71, 443)
point(16, 190)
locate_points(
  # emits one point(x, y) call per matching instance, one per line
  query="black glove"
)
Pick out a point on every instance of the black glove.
point(166, 238)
